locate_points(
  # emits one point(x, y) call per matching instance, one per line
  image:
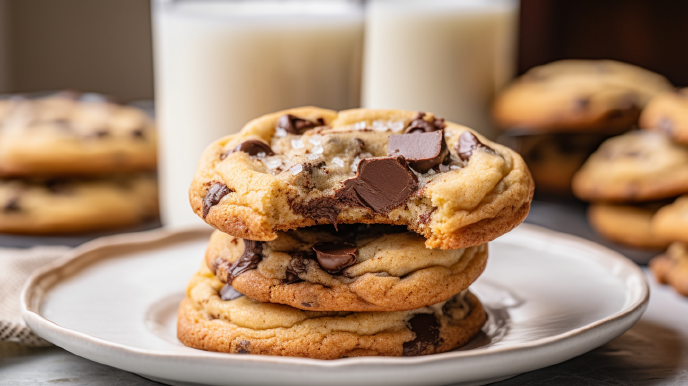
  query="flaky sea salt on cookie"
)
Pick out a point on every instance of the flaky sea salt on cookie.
point(308, 166)
point(359, 268)
point(216, 319)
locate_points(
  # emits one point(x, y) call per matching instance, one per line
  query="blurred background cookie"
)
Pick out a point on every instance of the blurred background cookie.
point(77, 205)
point(578, 96)
point(73, 134)
point(671, 221)
point(627, 225)
point(668, 113)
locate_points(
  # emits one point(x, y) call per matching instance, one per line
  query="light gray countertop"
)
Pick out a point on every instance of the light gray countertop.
point(653, 352)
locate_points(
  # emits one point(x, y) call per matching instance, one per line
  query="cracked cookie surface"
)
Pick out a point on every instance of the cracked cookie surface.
point(308, 166)
point(359, 268)
point(244, 326)
point(71, 134)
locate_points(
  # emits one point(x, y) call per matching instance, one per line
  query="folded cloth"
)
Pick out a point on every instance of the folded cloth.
point(15, 267)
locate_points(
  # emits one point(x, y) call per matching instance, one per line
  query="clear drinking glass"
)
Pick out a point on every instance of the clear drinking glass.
point(219, 64)
point(444, 56)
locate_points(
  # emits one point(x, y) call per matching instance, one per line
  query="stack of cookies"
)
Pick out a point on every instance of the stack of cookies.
point(557, 114)
point(347, 234)
point(72, 162)
point(634, 180)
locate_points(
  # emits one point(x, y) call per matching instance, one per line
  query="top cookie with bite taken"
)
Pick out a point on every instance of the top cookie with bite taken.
point(307, 166)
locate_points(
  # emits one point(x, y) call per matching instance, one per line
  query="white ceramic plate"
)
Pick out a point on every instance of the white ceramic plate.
point(550, 297)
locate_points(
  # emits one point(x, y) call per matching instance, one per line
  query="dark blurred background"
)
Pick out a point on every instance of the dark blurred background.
point(105, 45)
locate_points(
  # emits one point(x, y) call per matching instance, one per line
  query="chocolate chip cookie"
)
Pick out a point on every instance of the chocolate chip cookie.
point(309, 166)
point(626, 224)
point(71, 134)
point(69, 206)
point(635, 167)
point(578, 96)
point(215, 317)
point(668, 113)
point(359, 268)
point(672, 267)
point(671, 222)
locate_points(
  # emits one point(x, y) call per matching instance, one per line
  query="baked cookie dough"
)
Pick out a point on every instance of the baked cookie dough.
point(672, 267)
point(70, 134)
point(70, 206)
point(668, 113)
point(671, 222)
point(578, 96)
point(308, 166)
point(243, 326)
point(359, 268)
point(626, 224)
point(638, 166)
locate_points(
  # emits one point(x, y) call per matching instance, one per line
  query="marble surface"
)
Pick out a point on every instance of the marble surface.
point(653, 352)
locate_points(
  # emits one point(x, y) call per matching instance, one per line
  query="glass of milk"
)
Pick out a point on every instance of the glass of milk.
point(444, 56)
point(219, 64)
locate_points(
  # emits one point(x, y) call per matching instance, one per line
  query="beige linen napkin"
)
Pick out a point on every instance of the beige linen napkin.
point(15, 267)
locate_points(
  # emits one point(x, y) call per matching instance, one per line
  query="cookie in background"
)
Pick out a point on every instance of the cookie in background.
point(557, 114)
point(75, 163)
point(628, 225)
point(668, 113)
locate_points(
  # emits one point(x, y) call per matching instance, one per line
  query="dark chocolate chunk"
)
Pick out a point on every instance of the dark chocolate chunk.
point(58, 186)
point(12, 205)
point(381, 184)
point(469, 142)
point(229, 293)
point(427, 330)
point(214, 195)
point(419, 125)
point(296, 125)
point(243, 347)
point(138, 133)
point(251, 147)
point(306, 304)
point(334, 257)
point(318, 208)
point(249, 259)
point(423, 151)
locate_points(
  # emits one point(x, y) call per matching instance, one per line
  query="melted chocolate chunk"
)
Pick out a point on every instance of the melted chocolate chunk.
point(229, 293)
point(214, 195)
point(334, 257)
point(427, 330)
point(318, 208)
point(423, 151)
point(381, 184)
point(249, 259)
point(297, 265)
point(296, 125)
point(101, 133)
point(418, 124)
point(469, 142)
point(12, 205)
point(243, 347)
point(251, 147)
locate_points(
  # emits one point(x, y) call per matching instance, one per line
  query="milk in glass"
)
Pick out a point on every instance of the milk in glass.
point(444, 56)
point(220, 64)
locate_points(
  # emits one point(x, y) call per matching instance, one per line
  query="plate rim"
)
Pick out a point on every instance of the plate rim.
point(33, 293)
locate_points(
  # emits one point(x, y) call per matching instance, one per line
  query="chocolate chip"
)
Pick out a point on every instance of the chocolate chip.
point(425, 217)
point(581, 103)
point(243, 347)
point(101, 133)
point(427, 330)
point(229, 293)
point(297, 265)
point(12, 205)
point(418, 124)
point(469, 142)
point(251, 147)
point(381, 184)
point(423, 151)
point(137, 133)
point(306, 304)
point(318, 208)
point(214, 195)
point(295, 125)
point(58, 186)
point(333, 257)
point(249, 259)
